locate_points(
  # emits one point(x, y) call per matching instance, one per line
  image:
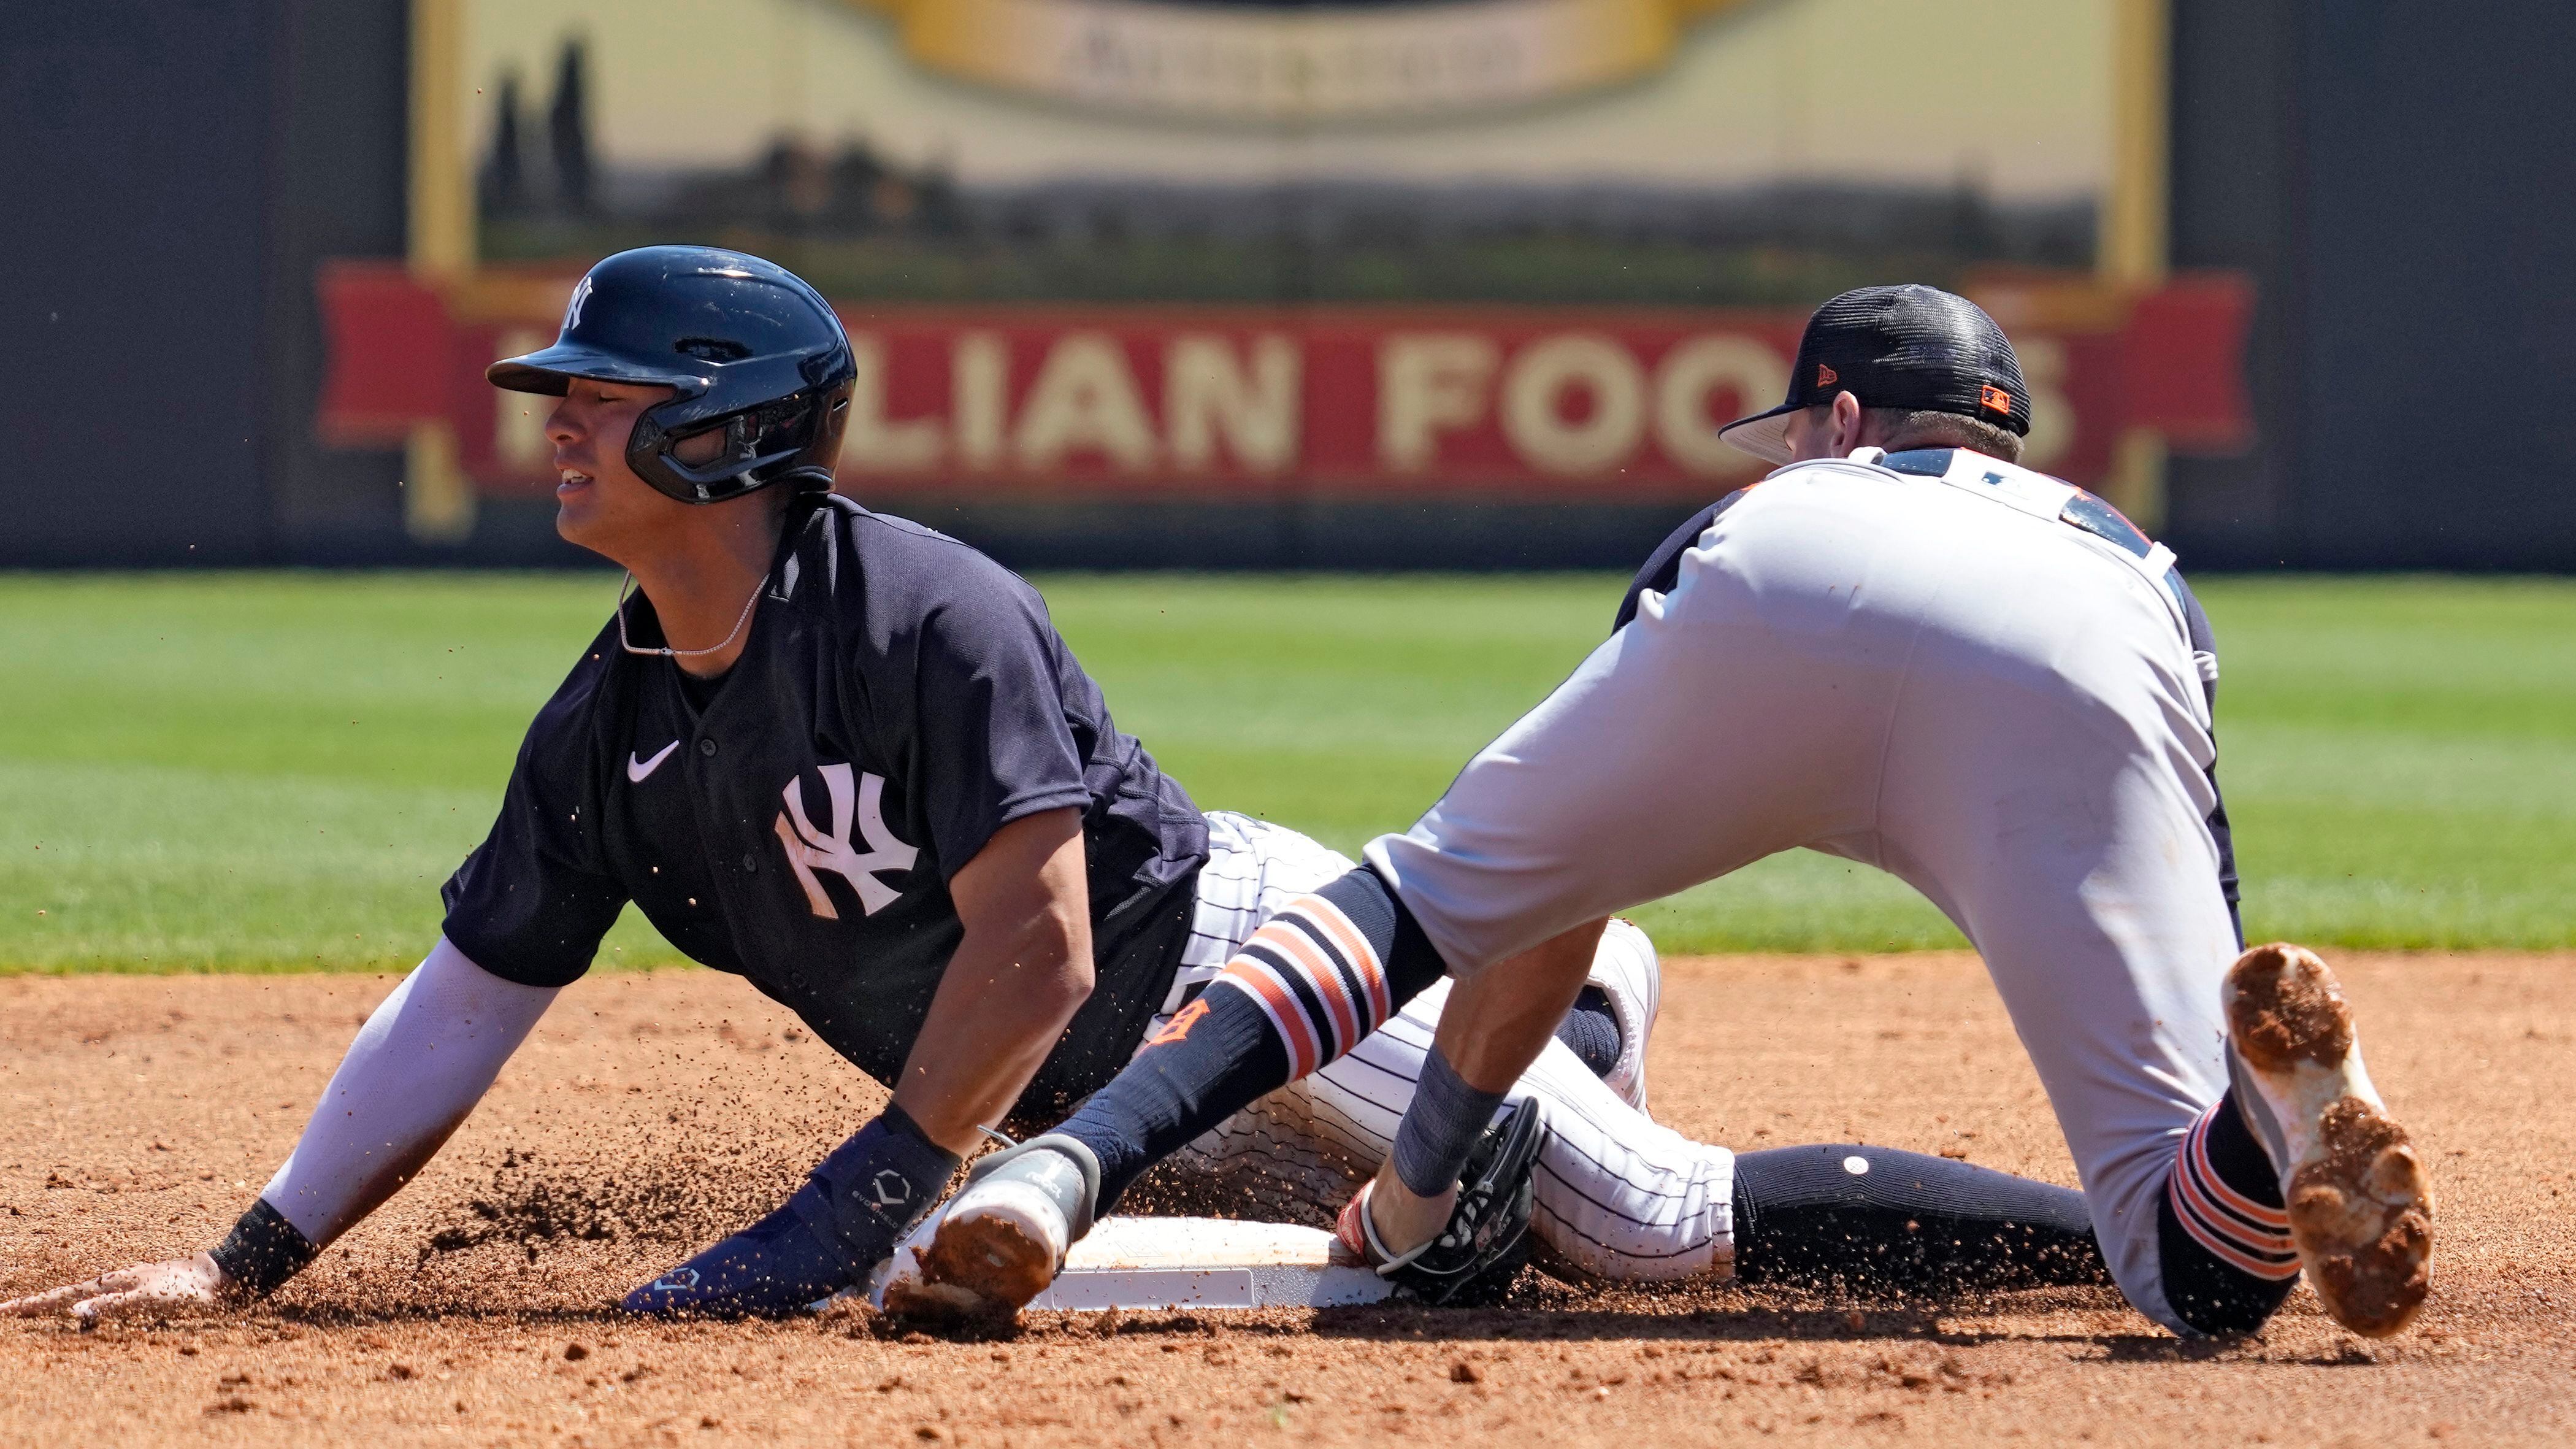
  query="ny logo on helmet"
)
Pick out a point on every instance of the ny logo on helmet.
point(810, 850)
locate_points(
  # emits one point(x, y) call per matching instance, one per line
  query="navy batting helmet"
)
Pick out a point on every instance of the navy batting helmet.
point(746, 346)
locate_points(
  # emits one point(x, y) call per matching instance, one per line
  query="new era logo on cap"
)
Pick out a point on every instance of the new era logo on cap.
point(1826, 376)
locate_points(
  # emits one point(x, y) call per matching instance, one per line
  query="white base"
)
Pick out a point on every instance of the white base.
point(1206, 1263)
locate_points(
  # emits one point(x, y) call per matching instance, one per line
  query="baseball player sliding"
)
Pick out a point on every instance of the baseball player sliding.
point(850, 760)
point(1903, 649)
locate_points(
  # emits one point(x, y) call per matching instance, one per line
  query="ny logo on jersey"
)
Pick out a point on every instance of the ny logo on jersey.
point(810, 850)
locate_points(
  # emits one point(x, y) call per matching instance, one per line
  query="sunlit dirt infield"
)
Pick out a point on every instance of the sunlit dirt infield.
point(653, 1111)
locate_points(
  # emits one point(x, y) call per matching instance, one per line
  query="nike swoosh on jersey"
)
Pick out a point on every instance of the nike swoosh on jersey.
point(637, 769)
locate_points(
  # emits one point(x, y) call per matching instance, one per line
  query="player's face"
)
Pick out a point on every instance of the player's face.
point(600, 502)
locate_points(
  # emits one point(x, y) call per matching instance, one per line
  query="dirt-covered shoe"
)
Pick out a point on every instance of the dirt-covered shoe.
point(2360, 1202)
point(1003, 1238)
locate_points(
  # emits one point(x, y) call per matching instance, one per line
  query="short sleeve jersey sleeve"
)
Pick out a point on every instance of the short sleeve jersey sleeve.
point(534, 899)
point(990, 736)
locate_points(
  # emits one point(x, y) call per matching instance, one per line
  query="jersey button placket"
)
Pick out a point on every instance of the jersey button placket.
point(707, 746)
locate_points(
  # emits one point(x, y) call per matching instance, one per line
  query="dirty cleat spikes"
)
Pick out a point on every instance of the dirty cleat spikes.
point(2360, 1203)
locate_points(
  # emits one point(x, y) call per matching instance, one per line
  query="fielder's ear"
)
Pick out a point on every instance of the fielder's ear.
point(1847, 422)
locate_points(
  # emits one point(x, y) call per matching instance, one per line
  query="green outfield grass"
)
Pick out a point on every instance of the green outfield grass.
point(251, 772)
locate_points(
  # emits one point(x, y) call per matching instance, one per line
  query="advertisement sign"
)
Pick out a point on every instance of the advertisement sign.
point(1501, 401)
point(1511, 249)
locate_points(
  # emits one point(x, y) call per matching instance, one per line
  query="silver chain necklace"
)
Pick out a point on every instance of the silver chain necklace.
point(626, 589)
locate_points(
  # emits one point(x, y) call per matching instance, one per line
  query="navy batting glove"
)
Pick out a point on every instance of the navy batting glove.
point(856, 1205)
point(780, 1265)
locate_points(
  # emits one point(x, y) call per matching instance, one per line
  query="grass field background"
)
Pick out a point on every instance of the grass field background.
point(275, 771)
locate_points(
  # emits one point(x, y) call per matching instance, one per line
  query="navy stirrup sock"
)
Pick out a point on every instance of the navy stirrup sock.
point(2221, 1232)
point(1210, 1062)
point(1323, 973)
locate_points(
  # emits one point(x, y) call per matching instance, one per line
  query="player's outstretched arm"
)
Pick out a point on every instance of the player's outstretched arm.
point(410, 1078)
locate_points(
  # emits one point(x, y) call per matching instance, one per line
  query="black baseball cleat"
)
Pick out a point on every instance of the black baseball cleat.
point(2359, 1200)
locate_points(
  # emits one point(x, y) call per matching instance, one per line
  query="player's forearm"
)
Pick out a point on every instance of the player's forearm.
point(1493, 1026)
point(1007, 1002)
point(412, 1075)
point(1020, 973)
point(1497, 1021)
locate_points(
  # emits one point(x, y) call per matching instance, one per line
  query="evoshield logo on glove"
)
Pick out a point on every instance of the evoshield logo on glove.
point(809, 849)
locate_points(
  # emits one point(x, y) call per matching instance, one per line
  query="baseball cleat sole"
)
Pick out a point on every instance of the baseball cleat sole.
point(2359, 1199)
point(996, 1249)
point(1004, 1236)
point(930, 1302)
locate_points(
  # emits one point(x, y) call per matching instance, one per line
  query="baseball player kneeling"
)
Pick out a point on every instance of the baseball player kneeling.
point(1904, 650)
point(850, 759)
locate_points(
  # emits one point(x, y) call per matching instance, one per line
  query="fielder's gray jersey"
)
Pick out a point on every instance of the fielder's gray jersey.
point(1932, 675)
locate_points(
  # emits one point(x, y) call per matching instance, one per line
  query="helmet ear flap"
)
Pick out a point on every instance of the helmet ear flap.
point(651, 450)
point(801, 431)
point(823, 453)
point(737, 441)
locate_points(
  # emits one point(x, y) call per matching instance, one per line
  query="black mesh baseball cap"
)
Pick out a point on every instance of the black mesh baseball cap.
point(1896, 347)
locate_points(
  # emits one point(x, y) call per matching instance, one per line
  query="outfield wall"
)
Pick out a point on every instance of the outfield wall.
point(273, 244)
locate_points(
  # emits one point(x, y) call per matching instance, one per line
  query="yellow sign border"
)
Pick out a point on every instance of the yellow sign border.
point(1289, 65)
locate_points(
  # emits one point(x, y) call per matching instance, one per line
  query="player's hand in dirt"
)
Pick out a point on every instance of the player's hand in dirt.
point(180, 1288)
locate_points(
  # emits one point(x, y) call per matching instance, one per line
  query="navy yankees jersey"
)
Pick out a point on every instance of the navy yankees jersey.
point(899, 698)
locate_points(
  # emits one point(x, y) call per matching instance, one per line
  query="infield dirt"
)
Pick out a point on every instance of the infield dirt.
point(653, 1111)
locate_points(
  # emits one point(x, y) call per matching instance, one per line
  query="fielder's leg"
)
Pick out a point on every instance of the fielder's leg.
point(1719, 726)
point(2047, 785)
